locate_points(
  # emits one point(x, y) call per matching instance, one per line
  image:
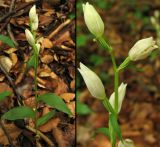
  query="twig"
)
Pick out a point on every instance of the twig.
point(59, 28)
point(44, 137)
point(12, 84)
point(6, 133)
point(16, 10)
point(9, 26)
point(5, 24)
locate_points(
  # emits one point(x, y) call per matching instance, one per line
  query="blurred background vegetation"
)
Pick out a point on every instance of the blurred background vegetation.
point(126, 21)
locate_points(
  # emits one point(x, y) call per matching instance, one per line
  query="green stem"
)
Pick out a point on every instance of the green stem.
point(116, 74)
point(35, 76)
point(104, 44)
point(36, 89)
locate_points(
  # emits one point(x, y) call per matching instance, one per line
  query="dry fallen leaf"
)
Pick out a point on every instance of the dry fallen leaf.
point(10, 50)
point(50, 125)
point(72, 107)
point(47, 59)
point(68, 96)
point(46, 43)
point(6, 63)
point(13, 132)
point(14, 58)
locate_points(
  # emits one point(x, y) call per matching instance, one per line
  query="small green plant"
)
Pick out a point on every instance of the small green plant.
point(51, 99)
point(113, 104)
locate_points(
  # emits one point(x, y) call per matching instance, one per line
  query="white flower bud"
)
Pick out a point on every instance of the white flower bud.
point(93, 20)
point(29, 37)
point(156, 14)
point(121, 95)
point(153, 20)
point(126, 143)
point(142, 49)
point(33, 18)
point(93, 82)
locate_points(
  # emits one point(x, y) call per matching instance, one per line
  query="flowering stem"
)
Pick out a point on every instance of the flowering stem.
point(105, 45)
point(116, 80)
point(35, 77)
point(36, 89)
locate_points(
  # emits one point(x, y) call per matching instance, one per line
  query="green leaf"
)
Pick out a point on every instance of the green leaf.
point(45, 118)
point(115, 125)
point(82, 109)
point(124, 64)
point(7, 41)
point(54, 101)
point(32, 62)
point(4, 94)
point(104, 131)
point(19, 113)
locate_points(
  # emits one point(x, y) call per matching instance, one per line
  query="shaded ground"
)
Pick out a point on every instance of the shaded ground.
point(125, 23)
point(56, 71)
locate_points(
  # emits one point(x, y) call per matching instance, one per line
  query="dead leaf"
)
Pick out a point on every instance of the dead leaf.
point(72, 107)
point(14, 58)
point(6, 63)
point(47, 59)
point(50, 125)
point(10, 50)
point(46, 43)
point(68, 96)
point(13, 131)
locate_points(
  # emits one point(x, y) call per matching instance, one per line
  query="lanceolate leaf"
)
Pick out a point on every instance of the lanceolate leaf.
point(7, 40)
point(19, 113)
point(54, 101)
point(4, 94)
point(104, 131)
point(82, 109)
point(45, 118)
point(116, 128)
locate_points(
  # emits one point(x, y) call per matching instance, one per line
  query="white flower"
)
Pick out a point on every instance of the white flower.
point(33, 18)
point(29, 37)
point(127, 143)
point(93, 82)
point(93, 20)
point(142, 49)
point(121, 94)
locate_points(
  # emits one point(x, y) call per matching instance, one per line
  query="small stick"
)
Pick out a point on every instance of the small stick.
point(44, 137)
point(6, 133)
point(9, 26)
point(15, 11)
point(59, 28)
point(12, 84)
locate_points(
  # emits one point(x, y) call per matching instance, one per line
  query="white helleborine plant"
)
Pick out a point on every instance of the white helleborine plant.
point(126, 143)
point(93, 20)
point(29, 37)
point(142, 49)
point(93, 82)
point(121, 94)
point(33, 18)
